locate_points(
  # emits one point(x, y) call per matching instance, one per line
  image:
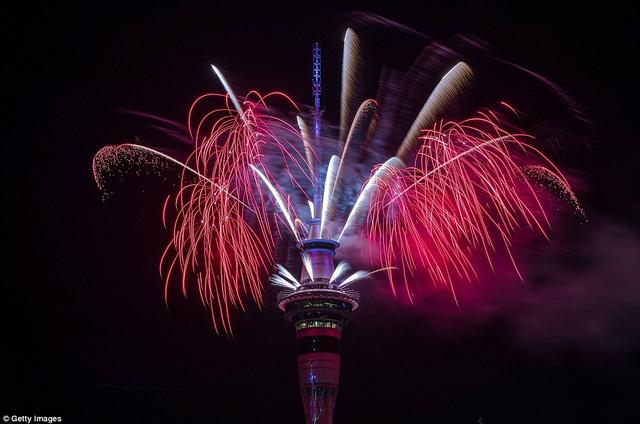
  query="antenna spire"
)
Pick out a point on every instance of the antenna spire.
point(316, 79)
point(317, 88)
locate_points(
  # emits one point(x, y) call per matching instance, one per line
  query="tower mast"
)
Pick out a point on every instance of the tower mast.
point(316, 83)
point(317, 89)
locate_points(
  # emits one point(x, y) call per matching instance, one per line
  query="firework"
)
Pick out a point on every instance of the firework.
point(451, 190)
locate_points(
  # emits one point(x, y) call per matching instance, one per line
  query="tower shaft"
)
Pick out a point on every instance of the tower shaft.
point(318, 371)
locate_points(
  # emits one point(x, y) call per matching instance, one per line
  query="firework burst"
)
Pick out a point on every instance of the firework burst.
point(451, 190)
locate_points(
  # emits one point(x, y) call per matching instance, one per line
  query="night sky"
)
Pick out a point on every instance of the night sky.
point(87, 335)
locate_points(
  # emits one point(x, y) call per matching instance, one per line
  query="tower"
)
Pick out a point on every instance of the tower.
point(319, 311)
point(318, 307)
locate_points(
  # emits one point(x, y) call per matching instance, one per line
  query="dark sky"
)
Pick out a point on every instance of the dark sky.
point(87, 332)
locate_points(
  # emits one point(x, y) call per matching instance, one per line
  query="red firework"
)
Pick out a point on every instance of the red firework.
point(222, 232)
point(467, 191)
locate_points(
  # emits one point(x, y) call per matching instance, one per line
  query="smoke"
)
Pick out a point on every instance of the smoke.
point(593, 306)
point(576, 296)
